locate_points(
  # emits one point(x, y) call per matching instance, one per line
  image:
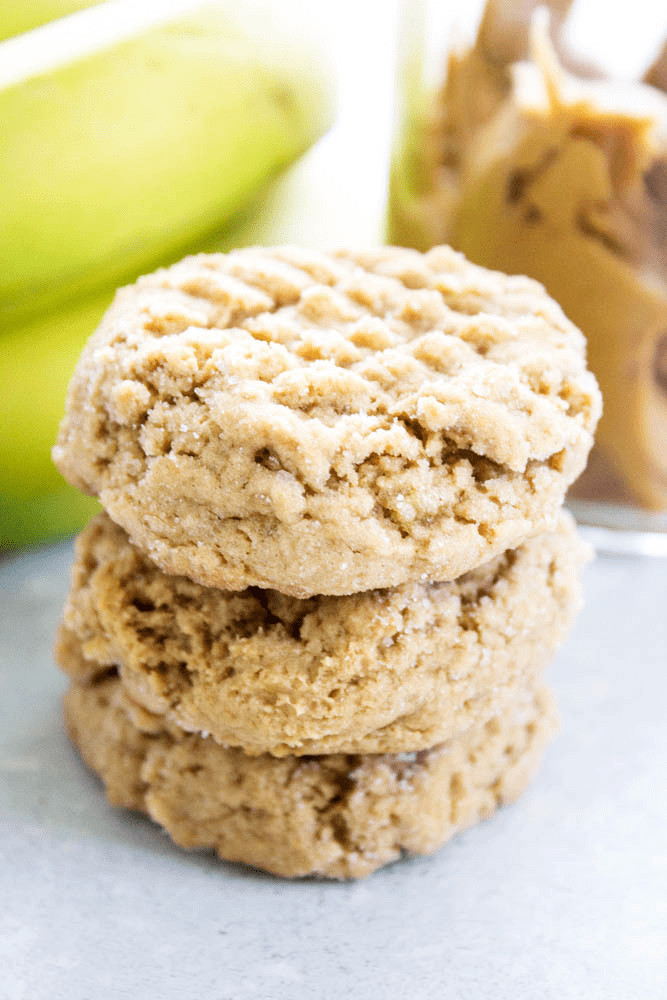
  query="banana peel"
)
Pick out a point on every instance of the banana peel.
point(123, 158)
point(110, 166)
point(17, 16)
point(36, 362)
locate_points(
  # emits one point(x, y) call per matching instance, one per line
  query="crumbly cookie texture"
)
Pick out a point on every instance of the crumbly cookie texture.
point(340, 816)
point(382, 671)
point(329, 423)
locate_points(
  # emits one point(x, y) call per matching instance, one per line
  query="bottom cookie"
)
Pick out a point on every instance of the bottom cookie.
point(341, 816)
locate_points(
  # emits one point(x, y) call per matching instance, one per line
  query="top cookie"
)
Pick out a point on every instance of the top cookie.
point(329, 423)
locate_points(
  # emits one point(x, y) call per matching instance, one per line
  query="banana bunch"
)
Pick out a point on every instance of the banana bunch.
point(124, 146)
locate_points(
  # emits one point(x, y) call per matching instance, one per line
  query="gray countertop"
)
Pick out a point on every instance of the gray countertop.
point(562, 895)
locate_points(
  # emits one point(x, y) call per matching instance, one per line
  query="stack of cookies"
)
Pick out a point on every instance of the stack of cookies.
point(310, 628)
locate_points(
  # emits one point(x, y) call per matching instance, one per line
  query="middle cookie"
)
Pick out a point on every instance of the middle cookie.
point(383, 671)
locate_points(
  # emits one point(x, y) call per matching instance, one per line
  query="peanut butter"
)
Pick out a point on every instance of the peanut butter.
point(531, 167)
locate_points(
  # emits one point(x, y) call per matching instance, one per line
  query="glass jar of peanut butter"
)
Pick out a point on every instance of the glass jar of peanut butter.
point(530, 159)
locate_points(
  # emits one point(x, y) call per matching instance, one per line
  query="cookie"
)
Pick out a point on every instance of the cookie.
point(340, 815)
point(329, 423)
point(382, 671)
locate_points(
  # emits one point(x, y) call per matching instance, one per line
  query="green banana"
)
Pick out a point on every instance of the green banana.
point(123, 158)
point(109, 166)
point(36, 361)
point(17, 16)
